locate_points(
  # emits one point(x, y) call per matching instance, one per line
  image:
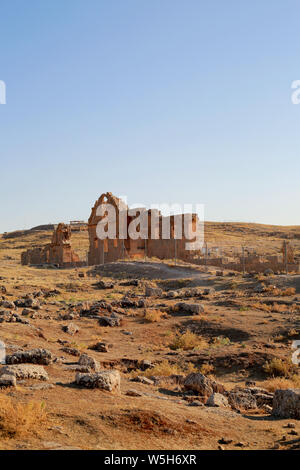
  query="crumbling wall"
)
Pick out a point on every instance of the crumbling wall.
point(109, 250)
point(58, 252)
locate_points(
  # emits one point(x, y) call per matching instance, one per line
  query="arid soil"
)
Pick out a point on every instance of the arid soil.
point(244, 334)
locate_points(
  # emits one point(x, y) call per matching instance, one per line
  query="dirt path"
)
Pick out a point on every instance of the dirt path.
point(149, 270)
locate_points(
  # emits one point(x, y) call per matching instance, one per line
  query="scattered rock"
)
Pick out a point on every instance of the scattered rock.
point(109, 321)
point(71, 351)
point(89, 362)
point(268, 272)
point(241, 399)
point(286, 403)
point(35, 356)
point(25, 371)
point(8, 380)
point(71, 329)
point(131, 282)
point(194, 309)
point(106, 380)
point(7, 304)
point(218, 400)
point(104, 285)
point(134, 393)
point(153, 291)
point(225, 441)
point(196, 403)
point(100, 347)
point(143, 380)
point(202, 385)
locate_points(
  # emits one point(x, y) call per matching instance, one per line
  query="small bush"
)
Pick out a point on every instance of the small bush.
point(279, 368)
point(18, 419)
point(280, 383)
point(289, 291)
point(222, 341)
point(165, 369)
point(207, 369)
point(153, 316)
point(187, 341)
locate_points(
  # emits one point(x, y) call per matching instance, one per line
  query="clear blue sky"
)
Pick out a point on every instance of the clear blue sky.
point(160, 100)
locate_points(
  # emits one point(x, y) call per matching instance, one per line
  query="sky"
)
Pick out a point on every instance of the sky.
point(164, 101)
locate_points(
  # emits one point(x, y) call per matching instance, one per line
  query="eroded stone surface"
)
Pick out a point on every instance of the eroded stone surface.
point(286, 403)
point(202, 385)
point(25, 371)
point(105, 380)
point(35, 356)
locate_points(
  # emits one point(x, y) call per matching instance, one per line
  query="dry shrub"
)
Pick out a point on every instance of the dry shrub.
point(279, 368)
point(279, 308)
point(153, 316)
point(165, 369)
point(289, 291)
point(19, 419)
point(263, 307)
point(280, 383)
point(188, 341)
point(292, 333)
point(207, 369)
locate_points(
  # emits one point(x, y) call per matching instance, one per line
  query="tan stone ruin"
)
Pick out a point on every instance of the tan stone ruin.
point(59, 252)
point(109, 250)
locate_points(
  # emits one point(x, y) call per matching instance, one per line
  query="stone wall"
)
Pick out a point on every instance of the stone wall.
point(105, 251)
point(58, 252)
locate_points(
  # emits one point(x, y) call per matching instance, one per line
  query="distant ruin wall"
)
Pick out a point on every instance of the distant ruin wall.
point(58, 252)
point(248, 265)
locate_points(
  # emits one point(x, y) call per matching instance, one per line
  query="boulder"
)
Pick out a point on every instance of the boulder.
point(202, 385)
point(89, 362)
point(143, 380)
point(268, 272)
point(108, 380)
point(104, 285)
point(218, 400)
point(7, 304)
point(109, 321)
point(286, 403)
point(242, 399)
point(171, 294)
point(193, 309)
point(71, 329)
point(153, 291)
point(100, 347)
point(8, 380)
point(27, 301)
point(71, 351)
point(25, 371)
point(35, 356)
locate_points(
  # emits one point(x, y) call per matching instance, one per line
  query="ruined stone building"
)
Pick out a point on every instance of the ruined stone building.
point(108, 250)
point(150, 243)
point(58, 252)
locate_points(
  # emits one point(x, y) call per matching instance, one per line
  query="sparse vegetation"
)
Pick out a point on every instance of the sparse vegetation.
point(153, 315)
point(188, 341)
point(21, 419)
point(279, 368)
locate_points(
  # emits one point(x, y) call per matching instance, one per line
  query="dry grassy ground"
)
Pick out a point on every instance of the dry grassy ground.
point(240, 332)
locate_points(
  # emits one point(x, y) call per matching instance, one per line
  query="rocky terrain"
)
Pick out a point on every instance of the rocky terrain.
point(146, 355)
